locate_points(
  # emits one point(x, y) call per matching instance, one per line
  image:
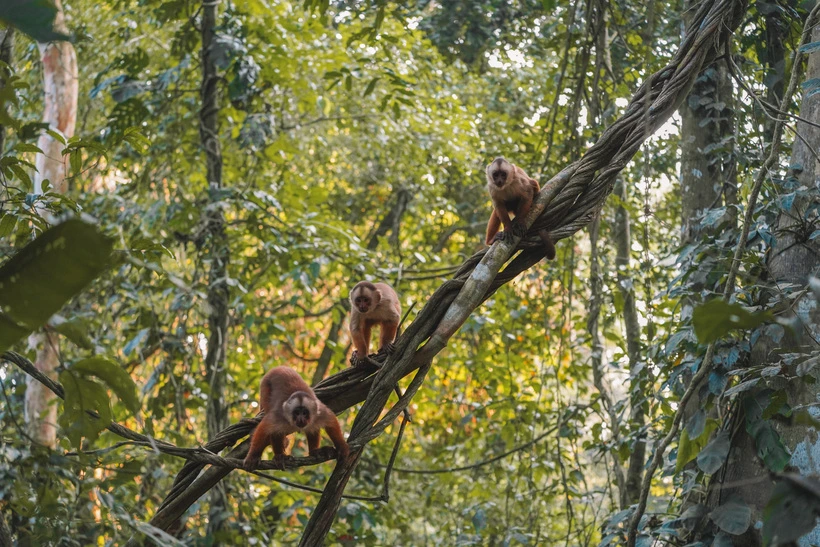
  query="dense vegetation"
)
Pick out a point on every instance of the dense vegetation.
point(232, 191)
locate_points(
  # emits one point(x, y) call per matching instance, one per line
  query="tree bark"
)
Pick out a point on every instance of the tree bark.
point(218, 253)
point(7, 57)
point(775, 60)
point(702, 177)
point(61, 86)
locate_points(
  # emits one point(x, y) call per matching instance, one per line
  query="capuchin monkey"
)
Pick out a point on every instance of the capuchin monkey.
point(290, 406)
point(373, 304)
point(512, 191)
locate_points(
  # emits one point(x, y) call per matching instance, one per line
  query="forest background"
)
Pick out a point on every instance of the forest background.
point(221, 173)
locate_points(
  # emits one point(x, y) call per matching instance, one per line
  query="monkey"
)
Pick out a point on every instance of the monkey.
point(373, 304)
point(512, 190)
point(289, 405)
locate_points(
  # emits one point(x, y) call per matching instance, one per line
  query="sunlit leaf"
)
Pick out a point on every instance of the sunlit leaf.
point(717, 318)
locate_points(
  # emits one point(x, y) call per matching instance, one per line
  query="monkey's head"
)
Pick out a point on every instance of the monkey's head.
point(499, 171)
point(300, 409)
point(365, 296)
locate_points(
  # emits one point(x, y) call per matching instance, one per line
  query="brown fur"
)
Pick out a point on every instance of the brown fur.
point(373, 304)
point(289, 405)
point(512, 191)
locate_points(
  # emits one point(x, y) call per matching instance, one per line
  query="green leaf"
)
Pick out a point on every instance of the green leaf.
point(370, 87)
point(34, 17)
point(688, 449)
point(26, 147)
point(7, 224)
point(76, 331)
point(717, 318)
point(81, 397)
point(712, 457)
point(22, 175)
point(76, 161)
point(722, 539)
point(790, 514)
point(114, 376)
point(770, 447)
point(46, 273)
point(733, 517)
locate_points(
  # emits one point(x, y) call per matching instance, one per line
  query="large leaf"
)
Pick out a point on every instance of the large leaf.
point(792, 510)
point(83, 396)
point(733, 517)
point(114, 376)
point(770, 447)
point(688, 449)
point(717, 318)
point(46, 273)
point(34, 17)
point(712, 457)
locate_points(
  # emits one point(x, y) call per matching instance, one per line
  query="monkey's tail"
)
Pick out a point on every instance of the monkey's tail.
point(549, 244)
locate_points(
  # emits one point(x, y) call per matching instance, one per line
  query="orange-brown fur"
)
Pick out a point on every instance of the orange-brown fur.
point(290, 406)
point(512, 191)
point(373, 304)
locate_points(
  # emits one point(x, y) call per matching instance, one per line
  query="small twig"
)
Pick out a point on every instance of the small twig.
point(471, 466)
point(393, 454)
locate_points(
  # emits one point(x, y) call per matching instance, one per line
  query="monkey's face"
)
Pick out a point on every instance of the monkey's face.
point(498, 172)
point(300, 417)
point(364, 300)
point(300, 409)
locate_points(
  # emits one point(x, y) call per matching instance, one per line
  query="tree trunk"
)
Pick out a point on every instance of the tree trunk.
point(219, 254)
point(637, 391)
point(791, 260)
point(702, 177)
point(60, 83)
point(775, 60)
point(707, 180)
point(7, 57)
point(597, 357)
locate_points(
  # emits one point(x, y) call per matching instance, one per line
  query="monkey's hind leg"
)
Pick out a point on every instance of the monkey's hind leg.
point(280, 444)
point(386, 338)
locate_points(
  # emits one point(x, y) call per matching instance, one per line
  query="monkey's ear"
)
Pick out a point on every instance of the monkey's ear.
point(378, 294)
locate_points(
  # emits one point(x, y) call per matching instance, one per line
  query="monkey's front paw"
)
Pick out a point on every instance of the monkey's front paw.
point(342, 452)
point(499, 236)
point(354, 359)
point(389, 348)
point(518, 229)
